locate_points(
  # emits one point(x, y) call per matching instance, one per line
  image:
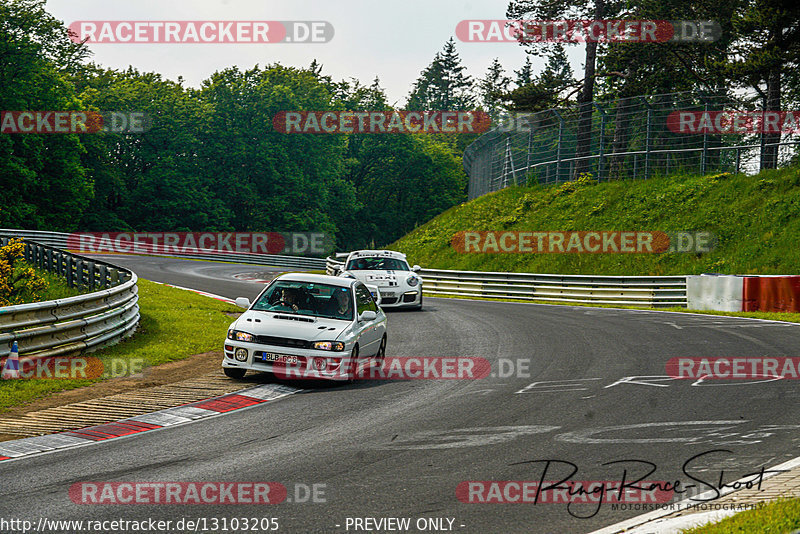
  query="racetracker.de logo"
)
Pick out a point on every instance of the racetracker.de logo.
point(561, 492)
point(422, 368)
point(177, 493)
point(200, 31)
point(396, 122)
point(561, 242)
point(314, 243)
point(74, 122)
point(762, 368)
point(599, 242)
point(733, 122)
point(581, 31)
point(78, 368)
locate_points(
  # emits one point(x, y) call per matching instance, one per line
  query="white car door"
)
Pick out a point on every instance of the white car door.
point(370, 333)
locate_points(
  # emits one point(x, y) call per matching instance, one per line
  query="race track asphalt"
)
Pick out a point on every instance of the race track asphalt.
point(589, 388)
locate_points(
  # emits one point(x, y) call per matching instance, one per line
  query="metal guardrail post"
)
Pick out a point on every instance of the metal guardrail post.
point(648, 137)
point(69, 273)
point(560, 143)
point(704, 156)
point(601, 148)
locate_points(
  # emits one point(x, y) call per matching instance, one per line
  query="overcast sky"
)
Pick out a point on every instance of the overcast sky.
point(393, 40)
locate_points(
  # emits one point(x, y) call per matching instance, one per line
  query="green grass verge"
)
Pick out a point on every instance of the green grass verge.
point(756, 218)
point(57, 287)
point(779, 517)
point(175, 324)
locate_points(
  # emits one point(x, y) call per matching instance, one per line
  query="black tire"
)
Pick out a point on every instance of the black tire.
point(234, 372)
point(351, 372)
point(381, 356)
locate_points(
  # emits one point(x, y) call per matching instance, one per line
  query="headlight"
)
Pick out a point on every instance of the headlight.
point(240, 336)
point(336, 346)
point(412, 280)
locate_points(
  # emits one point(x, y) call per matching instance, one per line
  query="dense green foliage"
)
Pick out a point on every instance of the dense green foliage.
point(212, 160)
point(755, 218)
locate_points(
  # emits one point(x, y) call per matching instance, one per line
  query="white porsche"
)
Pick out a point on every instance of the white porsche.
point(307, 326)
point(399, 285)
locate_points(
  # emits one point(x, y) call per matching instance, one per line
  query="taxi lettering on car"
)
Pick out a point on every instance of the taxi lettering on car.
point(398, 284)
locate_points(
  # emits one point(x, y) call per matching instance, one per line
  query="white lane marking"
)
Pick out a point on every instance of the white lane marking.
point(738, 382)
point(586, 436)
point(555, 385)
point(644, 380)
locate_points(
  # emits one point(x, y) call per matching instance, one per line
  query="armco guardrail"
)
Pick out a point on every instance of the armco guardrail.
point(70, 326)
point(59, 239)
point(653, 291)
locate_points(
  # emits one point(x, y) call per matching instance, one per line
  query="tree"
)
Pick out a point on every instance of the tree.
point(765, 55)
point(41, 174)
point(492, 88)
point(544, 91)
point(582, 10)
point(525, 74)
point(443, 85)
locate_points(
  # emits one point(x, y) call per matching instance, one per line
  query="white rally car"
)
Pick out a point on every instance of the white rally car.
point(307, 326)
point(398, 284)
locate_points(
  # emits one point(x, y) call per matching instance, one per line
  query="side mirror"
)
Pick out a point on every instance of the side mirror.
point(242, 302)
point(367, 315)
point(416, 268)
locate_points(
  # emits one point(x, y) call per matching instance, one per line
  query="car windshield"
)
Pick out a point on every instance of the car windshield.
point(307, 298)
point(377, 264)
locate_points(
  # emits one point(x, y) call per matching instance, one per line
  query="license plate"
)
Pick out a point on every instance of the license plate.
point(387, 293)
point(278, 358)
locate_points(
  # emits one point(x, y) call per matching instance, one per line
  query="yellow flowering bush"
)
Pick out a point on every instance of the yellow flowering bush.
point(18, 282)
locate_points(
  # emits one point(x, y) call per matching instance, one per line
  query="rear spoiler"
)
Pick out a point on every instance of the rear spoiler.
point(342, 255)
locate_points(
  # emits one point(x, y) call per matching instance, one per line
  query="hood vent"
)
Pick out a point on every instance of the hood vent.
point(294, 318)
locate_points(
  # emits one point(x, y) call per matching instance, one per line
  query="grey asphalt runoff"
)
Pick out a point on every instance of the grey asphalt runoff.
point(400, 448)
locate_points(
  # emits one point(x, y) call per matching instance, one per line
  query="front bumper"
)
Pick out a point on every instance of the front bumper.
point(303, 368)
point(401, 298)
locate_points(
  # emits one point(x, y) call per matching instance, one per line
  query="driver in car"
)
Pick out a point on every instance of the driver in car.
point(341, 305)
point(289, 299)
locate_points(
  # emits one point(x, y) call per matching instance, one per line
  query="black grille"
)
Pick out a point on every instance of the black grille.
point(283, 342)
point(409, 298)
point(388, 300)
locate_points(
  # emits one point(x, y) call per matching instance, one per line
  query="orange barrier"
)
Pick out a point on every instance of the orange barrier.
point(771, 293)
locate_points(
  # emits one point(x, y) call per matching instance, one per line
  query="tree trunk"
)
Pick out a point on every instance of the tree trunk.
point(585, 97)
point(769, 150)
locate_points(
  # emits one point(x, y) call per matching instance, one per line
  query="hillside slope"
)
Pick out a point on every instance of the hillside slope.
point(755, 218)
